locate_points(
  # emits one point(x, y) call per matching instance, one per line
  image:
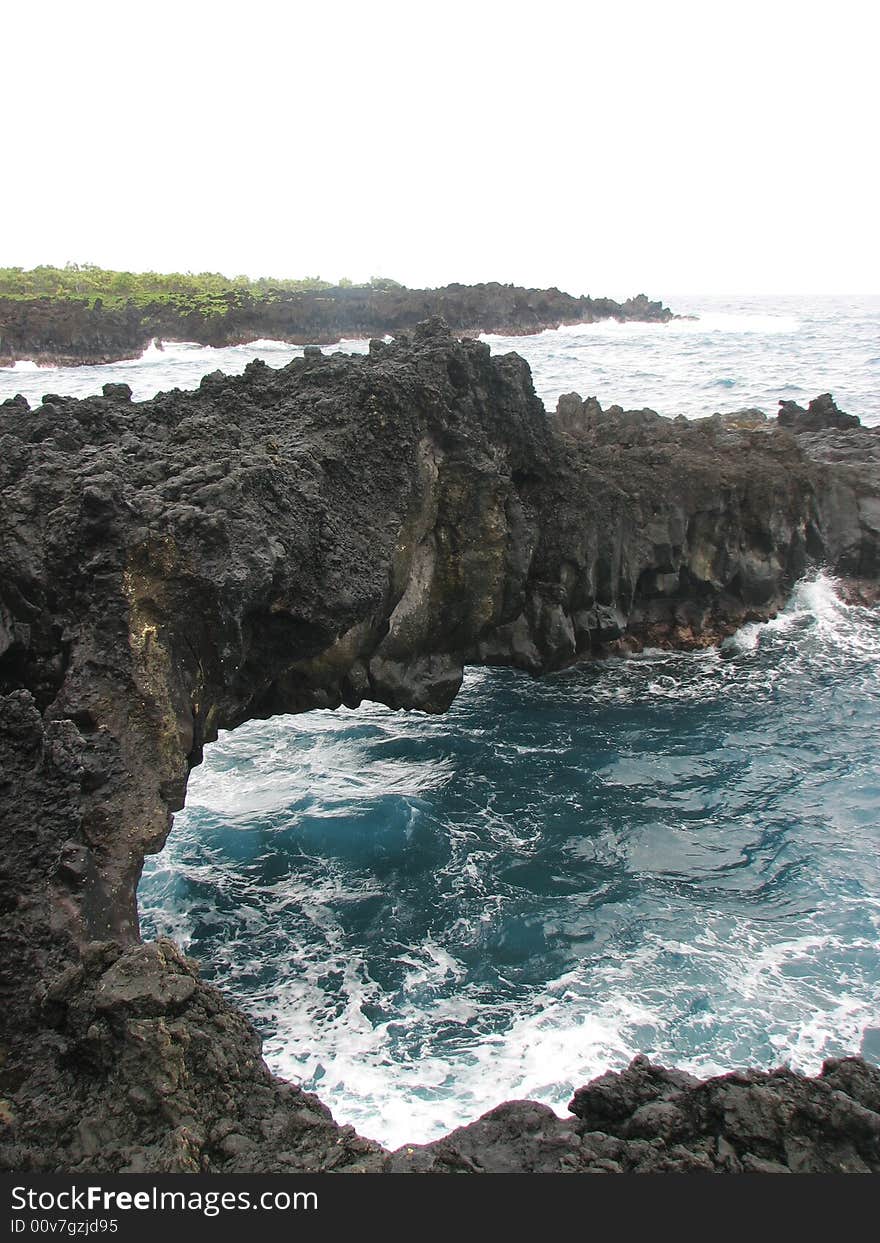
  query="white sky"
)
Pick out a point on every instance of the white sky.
point(606, 148)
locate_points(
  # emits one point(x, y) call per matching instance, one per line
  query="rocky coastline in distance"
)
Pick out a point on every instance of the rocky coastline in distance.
point(351, 528)
point(69, 331)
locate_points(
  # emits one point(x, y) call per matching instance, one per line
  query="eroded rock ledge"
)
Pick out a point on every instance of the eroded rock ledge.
point(338, 530)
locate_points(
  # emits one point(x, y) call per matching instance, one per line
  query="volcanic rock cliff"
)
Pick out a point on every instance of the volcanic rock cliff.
point(67, 332)
point(348, 528)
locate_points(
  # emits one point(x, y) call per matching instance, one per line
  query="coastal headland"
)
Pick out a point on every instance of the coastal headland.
point(352, 528)
point(92, 316)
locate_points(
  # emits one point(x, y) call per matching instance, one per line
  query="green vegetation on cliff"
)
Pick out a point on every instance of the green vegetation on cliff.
point(208, 292)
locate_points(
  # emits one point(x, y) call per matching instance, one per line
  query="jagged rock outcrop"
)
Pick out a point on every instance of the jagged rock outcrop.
point(149, 1069)
point(650, 1120)
point(344, 528)
point(67, 332)
point(820, 415)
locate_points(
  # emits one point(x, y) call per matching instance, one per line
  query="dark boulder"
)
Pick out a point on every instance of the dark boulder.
point(820, 415)
point(117, 392)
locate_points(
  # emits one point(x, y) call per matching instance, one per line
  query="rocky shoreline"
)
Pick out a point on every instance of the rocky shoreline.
point(342, 529)
point(68, 332)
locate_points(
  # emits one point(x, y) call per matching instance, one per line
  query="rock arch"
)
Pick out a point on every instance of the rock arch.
point(345, 528)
